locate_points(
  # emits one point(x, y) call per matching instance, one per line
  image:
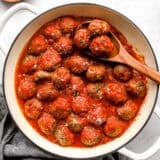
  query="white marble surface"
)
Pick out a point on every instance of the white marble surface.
point(144, 13)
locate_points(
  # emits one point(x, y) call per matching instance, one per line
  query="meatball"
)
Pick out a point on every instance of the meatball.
point(52, 31)
point(97, 115)
point(37, 45)
point(77, 84)
point(128, 110)
point(33, 108)
point(67, 24)
point(47, 92)
point(122, 72)
point(63, 135)
point(60, 108)
point(81, 38)
point(61, 77)
point(64, 45)
point(114, 127)
point(47, 123)
point(136, 88)
point(75, 123)
point(99, 27)
point(49, 59)
point(95, 73)
point(95, 90)
point(26, 88)
point(90, 136)
point(101, 46)
point(80, 104)
point(29, 64)
point(77, 64)
point(41, 75)
point(116, 93)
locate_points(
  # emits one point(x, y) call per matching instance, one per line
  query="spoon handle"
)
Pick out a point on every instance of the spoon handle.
point(130, 61)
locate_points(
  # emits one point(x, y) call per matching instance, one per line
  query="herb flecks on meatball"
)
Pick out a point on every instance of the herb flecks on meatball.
point(101, 46)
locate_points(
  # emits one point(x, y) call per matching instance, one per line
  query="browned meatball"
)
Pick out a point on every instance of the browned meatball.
point(122, 72)
point(114, 127)
point(61, 77)
point(67, 24)
point(90, 136)
point(47, 92)
point(101, 46)
point(64, 45)
point(81, 38)
point(47, 123)
point(77, 64)
point(97, 115)
point(63, 135)
point(136, 88)
point(95, 73)
point(77, 84)
point(60, 108)
point(41, 75)
point(26, 88)
point(97, 26)
point(33, 108)
point(116, 93)
point(80, 104)
point(52, 31)
point(49, 59)
point(128, 110)
point(95, 90)
point(37, 45)
point(29, 64)
point(75, 123)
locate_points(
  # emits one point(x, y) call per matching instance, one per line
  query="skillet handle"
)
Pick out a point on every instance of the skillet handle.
point(8, 14)
point(149, 152)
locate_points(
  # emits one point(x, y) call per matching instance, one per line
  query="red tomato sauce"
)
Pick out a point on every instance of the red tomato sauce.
point(87, 98)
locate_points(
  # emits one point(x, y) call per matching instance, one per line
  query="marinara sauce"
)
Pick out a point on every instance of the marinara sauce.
point(73, 99)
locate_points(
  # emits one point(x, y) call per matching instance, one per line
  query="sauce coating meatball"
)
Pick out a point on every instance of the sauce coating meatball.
point(52, 31)
point(122, 72)
point(81, 38)
point(116, 93)
point(95, 73)
point(29, 64)
point(80, 104)
point(61, 77)
point(97, 116)
point(47, 92)
point(64, 45)
point(26, 88)
point(101, 46)
point(99, 27)
point(77, 84)
point(90, 136)
point(37, 45)
point(60, 108)
point(75, 123)
point(128, 111)
point(95, 90)
point(33, 108)
point(136, 88)
point(77, 64)
point(49, 59)
point(47, 123)
point(63, 135)
point(114, 127)
point(67, 24)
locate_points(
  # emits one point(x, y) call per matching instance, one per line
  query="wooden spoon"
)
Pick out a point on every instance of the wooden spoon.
point(122, 56)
